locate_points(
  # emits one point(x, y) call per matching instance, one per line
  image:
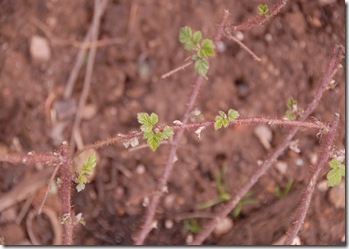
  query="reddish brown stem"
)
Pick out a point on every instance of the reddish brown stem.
point(31, 158)
point(323, 157)
point(65, 194)
point(150, 212)
point(259, 19)
point(261, 170)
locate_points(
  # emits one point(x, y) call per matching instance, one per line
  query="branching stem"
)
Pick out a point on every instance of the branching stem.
point(323, 157)
point(262, 169)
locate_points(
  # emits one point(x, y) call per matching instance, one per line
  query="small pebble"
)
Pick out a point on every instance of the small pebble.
point(299, 162)
point(264, 134)
point(322, 186)
point(89, 111)
point(39, 48)
point(268, 37)
point(169, 224)
point(140, 169)
point(239, 35)
point(223, 226)
point(189, 239)
point(281, 167)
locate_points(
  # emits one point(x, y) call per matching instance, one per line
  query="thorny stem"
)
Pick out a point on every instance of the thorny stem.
point(261, 170)
point(257, 20)
point(324, 155)
point(65, 194)
point(149, 216)
point(237, 122)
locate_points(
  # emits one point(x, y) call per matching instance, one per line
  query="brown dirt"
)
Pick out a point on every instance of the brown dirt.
point(294, 47)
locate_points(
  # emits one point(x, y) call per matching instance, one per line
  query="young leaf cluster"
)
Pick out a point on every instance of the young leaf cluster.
point(153, 135)
point(263, 10)
point(224, 119)
point(334, 176)
point(85, 171)
point(191, 42)
point(292, 110)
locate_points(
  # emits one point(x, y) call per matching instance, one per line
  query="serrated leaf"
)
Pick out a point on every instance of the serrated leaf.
point(189, 45)
point(147, 135)
point(197, 36)
point(159, 136)
point(154, 119)
point(334, 163)
point(167, 132)
point(153, 143)
point(290, 115)
point(233, 114)
point(291, 103)
point(201, 66)
point(185, 34)
point(207, 48)
point(222, 114)
point(218, 122)
point(225, 122)
point(143, 118)
point(334, 177)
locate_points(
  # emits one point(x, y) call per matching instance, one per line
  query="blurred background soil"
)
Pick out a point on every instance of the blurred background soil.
point(294, 47)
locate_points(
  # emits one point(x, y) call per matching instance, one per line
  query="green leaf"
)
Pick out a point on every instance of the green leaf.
point(147, 135)
point(225, 122)
point(189, 46)
point(185, 34)
point(197, 36)
point(334, 176)
point(222, 114)
point(218, 122)
point(153, 119)
point(233, 114)
point(291, 103)
point(186, 37)
point(192, 225)
point(290, 115)
point(237, 210)
point(201, 66)
point(146, 119)
point(263, 9)
point(153, 142)
point(207, 48)
point(167, 132)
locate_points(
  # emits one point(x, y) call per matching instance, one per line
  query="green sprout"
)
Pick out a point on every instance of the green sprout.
point(153, 135)
point(334, 176)
point(192, 225)
point(85, 171)
point(224, 119)
point(191, 42)
point(223, 194)
point(282, 192)
point(263, 10)
point(293, 109)
point(246, 199)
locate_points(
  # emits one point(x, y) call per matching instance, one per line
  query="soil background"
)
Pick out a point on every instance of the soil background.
point(294, 47)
